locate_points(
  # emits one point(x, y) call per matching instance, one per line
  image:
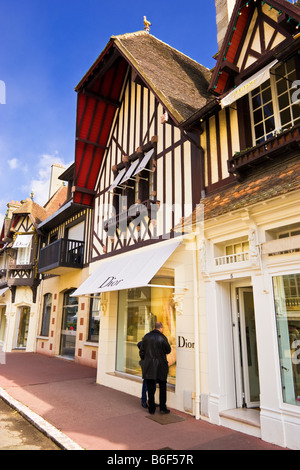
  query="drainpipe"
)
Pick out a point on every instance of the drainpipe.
point(196, 327)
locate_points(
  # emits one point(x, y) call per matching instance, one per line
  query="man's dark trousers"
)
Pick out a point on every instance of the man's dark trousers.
point(151, 384)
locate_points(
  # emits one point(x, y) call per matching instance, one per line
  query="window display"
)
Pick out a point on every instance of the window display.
point(287, 307)
point(138, 310)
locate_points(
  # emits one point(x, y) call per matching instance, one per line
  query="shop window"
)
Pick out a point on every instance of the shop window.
point(287, 309)
point(46, 315)
point(138, 310)
point(94, 320)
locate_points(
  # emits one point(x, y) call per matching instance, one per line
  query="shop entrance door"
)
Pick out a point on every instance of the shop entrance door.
point(24, 317)
point(68, 326)
point(247, 377)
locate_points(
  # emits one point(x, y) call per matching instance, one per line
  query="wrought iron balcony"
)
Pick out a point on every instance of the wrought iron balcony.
point(277, 146)
point(61, 256)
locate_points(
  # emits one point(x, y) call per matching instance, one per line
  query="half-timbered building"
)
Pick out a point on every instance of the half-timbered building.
point(19, 276)
point(140, 169)
point(249, 246)
point(66, 327)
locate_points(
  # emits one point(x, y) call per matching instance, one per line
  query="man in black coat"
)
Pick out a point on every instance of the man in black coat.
point(154, 364)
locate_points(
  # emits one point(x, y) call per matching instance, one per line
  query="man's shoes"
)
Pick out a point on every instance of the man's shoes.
point(152, 411)
point(164, 412)
point(144, 405)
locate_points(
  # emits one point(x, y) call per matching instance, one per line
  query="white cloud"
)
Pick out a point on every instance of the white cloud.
point(13, 163)
point(40, 185)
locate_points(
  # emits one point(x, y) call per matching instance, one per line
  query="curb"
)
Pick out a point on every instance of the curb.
point(59, 438)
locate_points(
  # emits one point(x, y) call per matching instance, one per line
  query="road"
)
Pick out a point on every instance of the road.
point(16, 433)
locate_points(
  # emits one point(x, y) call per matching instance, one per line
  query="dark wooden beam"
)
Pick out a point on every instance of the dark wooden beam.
point(104, 99)
point(89, 142)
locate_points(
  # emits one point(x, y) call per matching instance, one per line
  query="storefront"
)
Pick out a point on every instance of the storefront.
point(287, 309)
point(157, 285)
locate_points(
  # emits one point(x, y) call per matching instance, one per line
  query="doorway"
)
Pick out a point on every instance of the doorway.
point(24, 317)
point(69, 325)
point(245, 348)
point(2, 324)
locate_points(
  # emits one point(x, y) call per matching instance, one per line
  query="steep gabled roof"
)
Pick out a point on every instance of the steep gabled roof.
point(29, 207)
point(178, 82)
point(256, 33)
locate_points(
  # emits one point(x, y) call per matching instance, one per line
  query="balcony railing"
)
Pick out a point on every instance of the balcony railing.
point(62, 253)
point(277, 146)
point(234, 258)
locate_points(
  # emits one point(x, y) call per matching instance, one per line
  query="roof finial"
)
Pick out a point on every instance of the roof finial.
point(147, 25)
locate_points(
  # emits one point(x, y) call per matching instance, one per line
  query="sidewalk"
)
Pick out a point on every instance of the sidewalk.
point(62, 399)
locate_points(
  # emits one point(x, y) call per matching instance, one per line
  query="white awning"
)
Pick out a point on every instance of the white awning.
point(22, 241)
point(248, 85)
point(144, 161)
point(2, 291)
point(134, 269)
point(118, 179)
point(130, 171)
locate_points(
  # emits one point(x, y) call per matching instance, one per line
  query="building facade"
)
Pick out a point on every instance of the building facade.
point(182, 206)
point(250, 245)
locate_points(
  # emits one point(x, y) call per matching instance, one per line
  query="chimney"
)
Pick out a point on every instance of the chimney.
point(224, 10)
point(55, 183)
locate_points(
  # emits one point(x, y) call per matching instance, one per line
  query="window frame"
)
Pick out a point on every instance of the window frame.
point(274, 80)
point(45, 324)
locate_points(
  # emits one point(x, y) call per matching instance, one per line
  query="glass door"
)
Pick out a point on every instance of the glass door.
point(69, 325)
point(2, 324)
point(24, 318)
point(248, 348)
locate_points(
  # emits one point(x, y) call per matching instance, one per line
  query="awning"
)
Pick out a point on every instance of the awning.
point(248, 85)
point(135, 269)
point(133, 170)
point(22, 241)
point(3, 290)
point(118, 179)
point(144, 161)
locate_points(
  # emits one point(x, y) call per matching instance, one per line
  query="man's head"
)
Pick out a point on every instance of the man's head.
point(159, 326)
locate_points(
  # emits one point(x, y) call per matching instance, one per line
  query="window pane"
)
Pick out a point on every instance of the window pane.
point(138, 310)
point(259, 130)
point(284, 101)
point(268, 110)
point(285, 117)
point(270, 125)
point(296, 111)
point(258, 115)
point(281, 86)
point(256, 101)
point(267, 95)
point(287, 309)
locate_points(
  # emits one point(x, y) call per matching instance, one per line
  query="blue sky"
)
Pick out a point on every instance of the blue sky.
point(46, 48)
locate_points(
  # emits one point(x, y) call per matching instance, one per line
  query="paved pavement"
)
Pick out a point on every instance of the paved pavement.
point(62, 399)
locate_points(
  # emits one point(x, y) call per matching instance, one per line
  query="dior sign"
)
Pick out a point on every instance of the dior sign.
point(185, 343)
point(111, 281)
